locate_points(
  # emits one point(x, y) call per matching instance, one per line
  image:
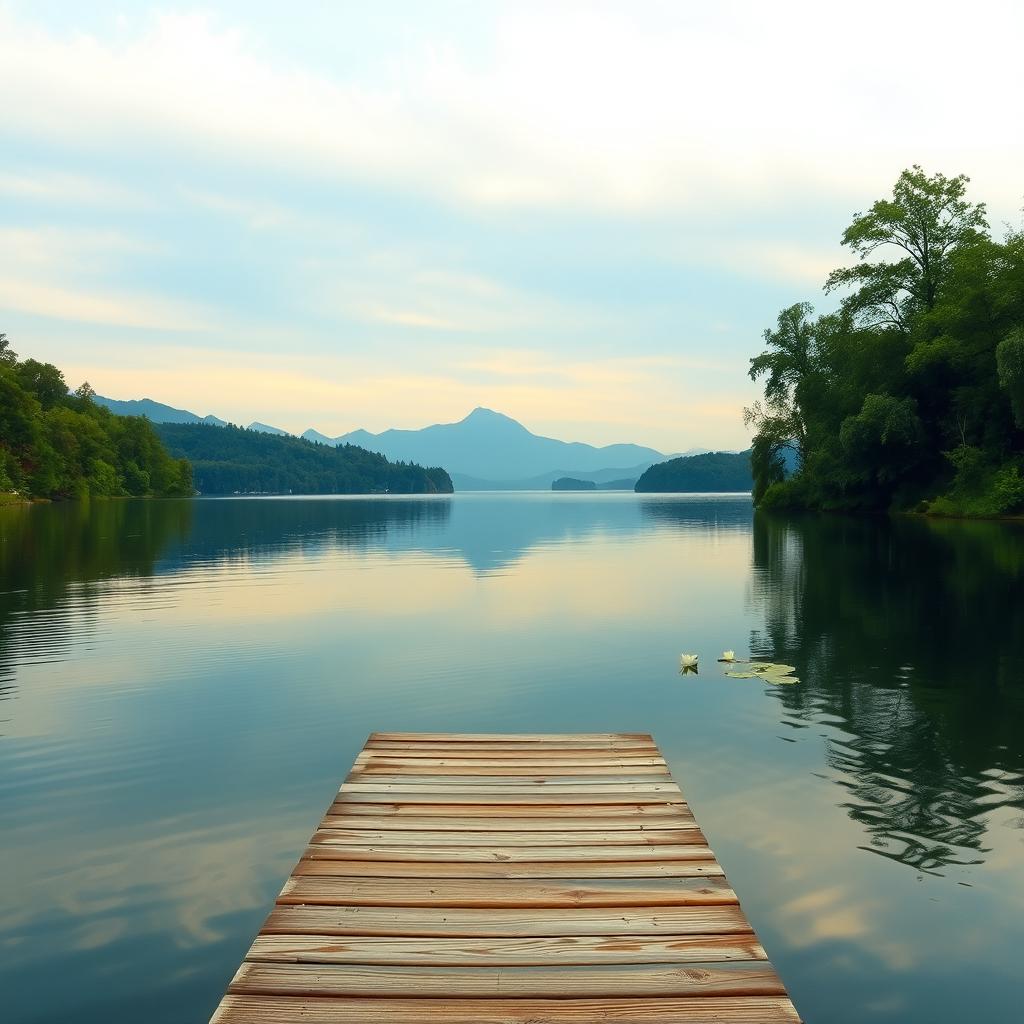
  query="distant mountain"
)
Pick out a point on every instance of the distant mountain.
point(708, 473)
point(232, 460)
point(484, 451)
point(317, 438)
point(264, 428)
point(157, 412)
point(490, 446)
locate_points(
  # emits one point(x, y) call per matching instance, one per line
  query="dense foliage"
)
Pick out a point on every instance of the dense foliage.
point(570, 483)
point(232, 460)
point(59, 445)
point(911, 394)
point(715, 471)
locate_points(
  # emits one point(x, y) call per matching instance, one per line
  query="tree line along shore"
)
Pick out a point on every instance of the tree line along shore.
point(910, 395)
point(57, 444)
point(907, 397)
point(60, 444)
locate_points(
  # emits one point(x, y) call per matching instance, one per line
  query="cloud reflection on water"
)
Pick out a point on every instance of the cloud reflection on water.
point(188, 681)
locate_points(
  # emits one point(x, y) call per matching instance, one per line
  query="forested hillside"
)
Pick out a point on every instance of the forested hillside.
point(59, 445)
point(230, 460)
point(911, 394)
point(708, 473)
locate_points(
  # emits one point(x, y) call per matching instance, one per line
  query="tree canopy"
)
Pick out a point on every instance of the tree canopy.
point(910, 394)
point(710, 472)
point(54, 444)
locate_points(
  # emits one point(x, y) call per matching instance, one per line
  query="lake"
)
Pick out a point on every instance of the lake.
point(183, 685)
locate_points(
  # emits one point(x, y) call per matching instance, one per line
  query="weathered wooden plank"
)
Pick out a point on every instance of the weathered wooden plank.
point(240, 1009)
point(494, 810)
point(696, 850)
point(531, 749)
point(435, 892)
point(545, 779)
point(450, 922)
point(321, 865)
point(329, 829)
point(508, 737)
point(483, 796)
point(378, 762)
point(734, 978)
point(498, 952)
point(577, 754)
point(438, 823)
point(463, 788)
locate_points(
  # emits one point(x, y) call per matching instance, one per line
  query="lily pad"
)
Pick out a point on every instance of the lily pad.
point(769, 671)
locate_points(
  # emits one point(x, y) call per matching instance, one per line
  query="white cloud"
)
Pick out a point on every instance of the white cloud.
point(803, 265)
point(68, 248)
point(254, 214)
point(62, 274)
point(394, 286)
point(408, 318)
point(582, 104)
point(71, 189)
point(87, 306)
point(655, 142)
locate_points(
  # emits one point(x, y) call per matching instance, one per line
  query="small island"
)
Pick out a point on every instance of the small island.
point(711, 472)
point(568, 483)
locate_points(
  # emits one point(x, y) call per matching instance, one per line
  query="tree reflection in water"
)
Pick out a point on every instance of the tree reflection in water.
point(906, 635)
point(58, 561)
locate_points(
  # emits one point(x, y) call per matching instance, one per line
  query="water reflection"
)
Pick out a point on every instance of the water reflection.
point(697, 512)
point(189, 680)
point(54, 559)
point(907, 637)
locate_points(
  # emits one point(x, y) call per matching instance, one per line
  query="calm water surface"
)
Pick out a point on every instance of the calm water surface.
point(184, 684)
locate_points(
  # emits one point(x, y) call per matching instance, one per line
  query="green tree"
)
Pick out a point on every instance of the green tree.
point(56, 445)
point(881, 444)
point(789, 364)
point(44, 381)
point(19, 414)
point(914, 388)
point(926, 220)
point(775, 427)
point(1010, 363)
point(7, 355)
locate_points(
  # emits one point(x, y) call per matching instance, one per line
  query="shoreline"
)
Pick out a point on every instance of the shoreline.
point(1016, 517)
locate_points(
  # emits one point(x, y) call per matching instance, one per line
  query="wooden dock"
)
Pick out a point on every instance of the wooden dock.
point(507, 879)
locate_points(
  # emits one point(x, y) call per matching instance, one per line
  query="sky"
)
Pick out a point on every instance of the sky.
point(583, 215)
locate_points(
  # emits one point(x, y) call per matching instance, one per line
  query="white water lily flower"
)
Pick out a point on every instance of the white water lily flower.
point(688, 660)
point(728, 656)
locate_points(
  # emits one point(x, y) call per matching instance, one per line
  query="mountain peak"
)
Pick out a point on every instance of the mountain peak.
point(482, 416)
point(482, 412)
point(265, 428)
